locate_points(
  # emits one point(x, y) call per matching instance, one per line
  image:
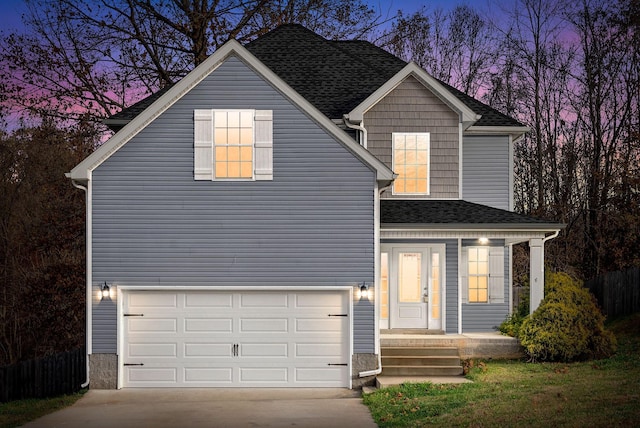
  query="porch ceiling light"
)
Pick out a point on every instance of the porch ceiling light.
point(364, 291)
point(483, 240)
point(104, 291)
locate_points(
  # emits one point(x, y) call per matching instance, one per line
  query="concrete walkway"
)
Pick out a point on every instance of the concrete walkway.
point(159, 408)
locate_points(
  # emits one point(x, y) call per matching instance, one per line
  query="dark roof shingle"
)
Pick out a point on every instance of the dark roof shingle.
point(334, 76)
point(452, 212)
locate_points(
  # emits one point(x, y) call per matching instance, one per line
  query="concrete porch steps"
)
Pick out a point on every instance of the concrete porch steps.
point(420, 361)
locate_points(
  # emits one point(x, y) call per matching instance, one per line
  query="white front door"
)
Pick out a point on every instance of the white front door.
point(415, 286)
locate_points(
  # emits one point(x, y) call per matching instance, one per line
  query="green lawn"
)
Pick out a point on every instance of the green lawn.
point(604, 393)
point(16, 413)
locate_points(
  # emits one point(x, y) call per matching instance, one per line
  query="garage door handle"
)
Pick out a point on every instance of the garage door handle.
point(132, 364)
point(337, 315)
point(338, 364)
point(133, 315)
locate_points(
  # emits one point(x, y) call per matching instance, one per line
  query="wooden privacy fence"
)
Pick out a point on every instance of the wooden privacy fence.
point(55, 375)
point(618, 293)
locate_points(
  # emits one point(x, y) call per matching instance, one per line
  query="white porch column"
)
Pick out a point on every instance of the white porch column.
point(536, 273)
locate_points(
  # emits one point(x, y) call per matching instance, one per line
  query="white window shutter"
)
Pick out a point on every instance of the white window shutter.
point(496, 275)
point(263, 145)
point(203, 145)
point(464, 268)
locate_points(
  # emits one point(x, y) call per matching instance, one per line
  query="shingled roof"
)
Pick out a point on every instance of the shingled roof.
point(334, 76)
point(454, 213)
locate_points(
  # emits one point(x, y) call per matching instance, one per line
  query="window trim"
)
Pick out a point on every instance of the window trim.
point(393, 163)
point(469, 275)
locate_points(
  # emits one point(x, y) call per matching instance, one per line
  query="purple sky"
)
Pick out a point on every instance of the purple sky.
point(11, 10)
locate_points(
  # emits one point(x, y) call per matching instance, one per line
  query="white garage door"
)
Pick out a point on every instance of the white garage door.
point(235, 339)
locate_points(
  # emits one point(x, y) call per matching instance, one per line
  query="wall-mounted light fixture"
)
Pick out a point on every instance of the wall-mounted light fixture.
point(483, 240)
point(363, 293)
point(104, 291)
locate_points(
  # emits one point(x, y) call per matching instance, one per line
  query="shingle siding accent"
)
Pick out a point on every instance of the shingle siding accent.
point(485, 173)
point(154, 225)
point(411, 107)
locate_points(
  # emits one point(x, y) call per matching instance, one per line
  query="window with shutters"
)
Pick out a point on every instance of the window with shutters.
point(483, 274)
point(478, 275)
point(233, 145)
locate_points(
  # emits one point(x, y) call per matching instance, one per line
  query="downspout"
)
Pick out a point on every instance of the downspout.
point(377, 371)
point(359, 127)
point(89, 294)
point(550, 237)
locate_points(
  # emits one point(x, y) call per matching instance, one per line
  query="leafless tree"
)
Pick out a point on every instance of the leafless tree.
point(91, 58)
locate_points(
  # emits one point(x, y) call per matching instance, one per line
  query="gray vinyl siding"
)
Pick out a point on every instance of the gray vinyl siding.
point(153, 225)
point(452, 287)
point(411, 107)
point(485, 170)
point(485, 317)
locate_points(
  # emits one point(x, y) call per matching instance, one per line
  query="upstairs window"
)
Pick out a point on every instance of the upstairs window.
point(233, 142)
point(233, 145)
point(411, 163)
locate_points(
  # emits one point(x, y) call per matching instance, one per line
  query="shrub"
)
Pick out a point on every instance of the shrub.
point(567, 326)
point(512, 324)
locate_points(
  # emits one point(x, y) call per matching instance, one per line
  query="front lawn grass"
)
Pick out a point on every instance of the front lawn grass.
point(19, 412)
point(603, 393)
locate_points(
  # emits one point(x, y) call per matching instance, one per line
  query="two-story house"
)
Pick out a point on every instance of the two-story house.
point(259, 222)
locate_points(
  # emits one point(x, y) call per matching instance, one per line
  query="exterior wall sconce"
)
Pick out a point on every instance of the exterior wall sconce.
point(363, 293)
point(483, 240)
point(104, 291)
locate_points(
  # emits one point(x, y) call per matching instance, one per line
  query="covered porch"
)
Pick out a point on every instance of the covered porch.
point(446, 266)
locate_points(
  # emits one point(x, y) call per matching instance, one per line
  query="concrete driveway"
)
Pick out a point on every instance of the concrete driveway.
point(159, 408)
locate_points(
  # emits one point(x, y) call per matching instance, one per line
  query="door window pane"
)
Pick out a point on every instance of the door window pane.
point(409, 277)
point(434, 295)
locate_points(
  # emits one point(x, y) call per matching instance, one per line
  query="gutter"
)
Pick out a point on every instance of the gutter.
point(88, 283)
point(357, 127)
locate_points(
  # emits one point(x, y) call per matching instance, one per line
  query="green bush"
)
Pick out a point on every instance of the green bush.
point(567, 326)
point(512, 324)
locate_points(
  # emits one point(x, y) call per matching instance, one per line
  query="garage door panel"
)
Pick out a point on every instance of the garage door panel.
point(208, 325)
point(264, 375)
point(314, 350)
point(236, 339)
point(211, 350)
point(318, 375)
point(151, 325)
point(153, 300)
point(326, 324)
point(320, 300)
point(152, 350)
point(264, 350)
point(205, 375)
point(264, 325)
point(208, 300)
point(152, 376)
point(264, 300)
